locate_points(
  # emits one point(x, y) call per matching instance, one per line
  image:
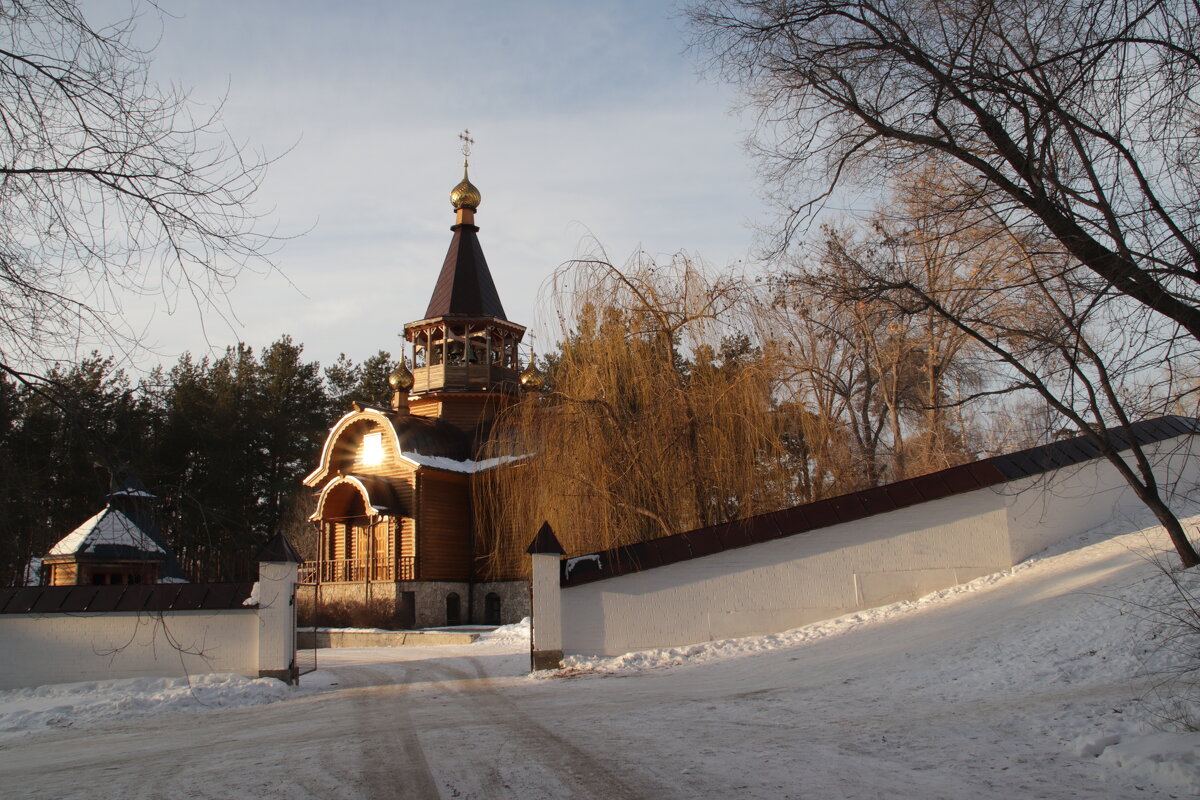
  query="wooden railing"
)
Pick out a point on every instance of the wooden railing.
point(357, 570)
point(439, 375)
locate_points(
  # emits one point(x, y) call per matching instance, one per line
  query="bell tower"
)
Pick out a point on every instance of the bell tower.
point(465, 351)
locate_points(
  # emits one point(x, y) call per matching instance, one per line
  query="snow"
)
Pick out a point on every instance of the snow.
point(517, 633)
point(80, 705)
point(252, 600)
point(111, 527)
point(573, 562)
point(466, 466)
point(1061, 677)
point(1142, 635)
point(1169, 759)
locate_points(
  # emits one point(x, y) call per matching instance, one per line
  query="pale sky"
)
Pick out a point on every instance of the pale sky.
point(590, 120)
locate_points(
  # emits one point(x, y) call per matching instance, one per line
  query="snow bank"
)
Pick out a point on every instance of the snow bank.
point(1170, 760)
point(515, 633)
point(1139, 634)
point(69, 705)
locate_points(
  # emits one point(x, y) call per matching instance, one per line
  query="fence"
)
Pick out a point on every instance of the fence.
point(357, 570)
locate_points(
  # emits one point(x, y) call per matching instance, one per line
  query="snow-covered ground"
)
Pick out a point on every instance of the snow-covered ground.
point(1058, 678)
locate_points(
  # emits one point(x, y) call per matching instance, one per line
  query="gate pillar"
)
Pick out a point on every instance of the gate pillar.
point(545, 643)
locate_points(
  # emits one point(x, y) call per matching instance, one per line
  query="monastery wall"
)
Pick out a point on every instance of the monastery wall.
point(792, 581)
point(256, 640)
point(1051, 507)
point(63, 648)
point(898, 555)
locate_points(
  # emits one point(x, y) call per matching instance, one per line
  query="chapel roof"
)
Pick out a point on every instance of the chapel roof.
point(125, 530)
point(465, 286)
point(416, 437)
point(429, 436)
point(109, 534)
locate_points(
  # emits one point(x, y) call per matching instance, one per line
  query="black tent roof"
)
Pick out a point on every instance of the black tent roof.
point(465, 287)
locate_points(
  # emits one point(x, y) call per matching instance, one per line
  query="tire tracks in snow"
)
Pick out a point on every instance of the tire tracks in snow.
point(392, 763)
point(578, 772)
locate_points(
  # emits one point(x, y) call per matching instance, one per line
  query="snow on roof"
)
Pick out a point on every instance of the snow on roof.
point(450, 465)
point(109, 527)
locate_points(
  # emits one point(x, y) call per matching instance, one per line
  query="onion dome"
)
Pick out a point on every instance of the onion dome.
point(465, 195)
point(532, 377)
point(402, 379)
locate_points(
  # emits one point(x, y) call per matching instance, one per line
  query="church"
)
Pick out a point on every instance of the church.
point(397, 531)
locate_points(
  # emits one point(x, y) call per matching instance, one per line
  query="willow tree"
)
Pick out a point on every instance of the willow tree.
point(657, 415)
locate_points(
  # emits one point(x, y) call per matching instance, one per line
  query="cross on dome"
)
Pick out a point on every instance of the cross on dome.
point(466, 146)
point(465, 196)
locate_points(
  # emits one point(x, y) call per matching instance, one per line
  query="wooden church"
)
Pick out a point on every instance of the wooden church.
point(394, 485)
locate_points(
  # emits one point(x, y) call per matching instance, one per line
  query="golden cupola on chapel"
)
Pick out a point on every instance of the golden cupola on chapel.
point(464, 351)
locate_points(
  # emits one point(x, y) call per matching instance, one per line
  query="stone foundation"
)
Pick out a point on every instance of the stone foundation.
point(410, 604)
point(546, 659)
point(514, 601)
point(334, 638)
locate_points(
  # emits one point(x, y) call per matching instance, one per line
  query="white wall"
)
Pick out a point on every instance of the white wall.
point(1051, 507)
point(898, 555)
point(63, 648)
point(253, 641)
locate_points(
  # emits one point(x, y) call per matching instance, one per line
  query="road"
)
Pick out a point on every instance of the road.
point(391, 729)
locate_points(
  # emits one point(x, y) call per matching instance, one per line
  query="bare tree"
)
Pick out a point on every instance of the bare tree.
point(1075, 128)
point(1048, 326)
point(1079, 117)
point(111, 187)
point(882, 382)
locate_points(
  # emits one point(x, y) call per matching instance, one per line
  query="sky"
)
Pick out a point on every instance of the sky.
point(593, 128)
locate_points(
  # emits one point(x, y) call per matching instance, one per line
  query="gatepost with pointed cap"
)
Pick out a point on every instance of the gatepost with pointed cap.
point(546, 600)
point(276, 591)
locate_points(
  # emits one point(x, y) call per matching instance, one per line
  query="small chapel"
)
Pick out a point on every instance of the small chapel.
point(397, 532)
point(119, 545)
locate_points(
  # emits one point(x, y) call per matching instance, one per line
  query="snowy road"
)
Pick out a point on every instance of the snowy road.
point(997, 692)
point(401, 728)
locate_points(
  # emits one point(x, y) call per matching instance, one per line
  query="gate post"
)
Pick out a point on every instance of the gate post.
point(545, 643)
point(277, 567)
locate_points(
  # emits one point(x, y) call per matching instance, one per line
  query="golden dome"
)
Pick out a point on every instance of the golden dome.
point(465, 195)
point(401, 380)
point(532, 378)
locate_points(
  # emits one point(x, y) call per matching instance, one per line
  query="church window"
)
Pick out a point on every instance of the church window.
point(453, 609)
point(372, 454)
